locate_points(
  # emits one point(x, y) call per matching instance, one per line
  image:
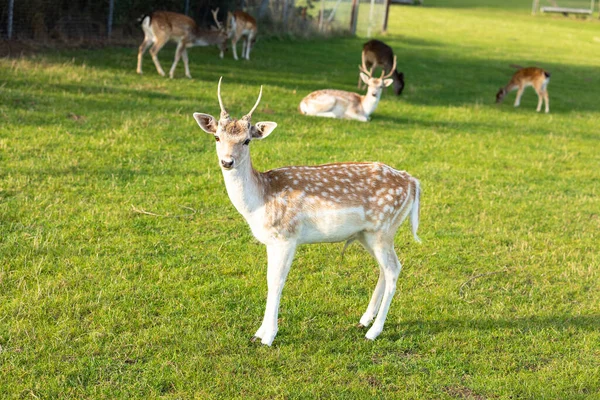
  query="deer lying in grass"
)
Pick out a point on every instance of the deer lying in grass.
point(341, 104)
point(239, 25)
point(291, 206)
point(162, 26)
point(531, 76)
point(375, 54)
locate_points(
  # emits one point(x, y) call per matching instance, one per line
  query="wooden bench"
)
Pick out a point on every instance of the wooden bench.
point(566, 10)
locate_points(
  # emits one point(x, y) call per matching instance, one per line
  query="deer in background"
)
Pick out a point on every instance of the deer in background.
point(162, 26)
point(341, 104)
point(291, 206)
point(375, 54)
point(239, 25)
point(531, 76)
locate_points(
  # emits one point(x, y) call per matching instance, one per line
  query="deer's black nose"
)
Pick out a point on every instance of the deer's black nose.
point(227, 164)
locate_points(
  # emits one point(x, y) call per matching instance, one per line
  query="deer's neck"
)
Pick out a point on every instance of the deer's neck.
point(244, 188)
point(369, 102)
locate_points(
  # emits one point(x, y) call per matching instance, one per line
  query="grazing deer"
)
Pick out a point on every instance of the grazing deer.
point(341, 104)
point(241, 25)
point(531, 76)
point(376, 53)
point(162, 26)
point(291, 206)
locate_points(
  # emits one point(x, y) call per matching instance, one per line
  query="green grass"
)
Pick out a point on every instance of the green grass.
point(500, 301)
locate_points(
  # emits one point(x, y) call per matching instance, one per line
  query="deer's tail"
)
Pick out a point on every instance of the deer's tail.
point(414, 212)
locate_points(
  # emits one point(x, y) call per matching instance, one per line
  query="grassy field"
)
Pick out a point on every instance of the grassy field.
point(501, 300)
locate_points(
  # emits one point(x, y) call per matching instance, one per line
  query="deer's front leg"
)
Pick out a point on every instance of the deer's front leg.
point(280, 258)
point(518, 98)
point(234, 46)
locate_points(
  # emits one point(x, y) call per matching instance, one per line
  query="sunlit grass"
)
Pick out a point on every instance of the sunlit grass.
point(500, 301)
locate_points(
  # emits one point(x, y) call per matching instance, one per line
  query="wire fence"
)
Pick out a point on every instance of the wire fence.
point(81, 20)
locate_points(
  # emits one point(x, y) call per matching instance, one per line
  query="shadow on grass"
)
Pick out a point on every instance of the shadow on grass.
point(433, 76)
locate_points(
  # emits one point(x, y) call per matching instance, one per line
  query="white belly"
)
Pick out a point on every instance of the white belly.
point(311, 226)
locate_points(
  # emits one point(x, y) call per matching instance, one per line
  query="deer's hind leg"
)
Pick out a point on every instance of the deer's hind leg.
point(382, 249)
point(179, 53)
point(375, 301)
point(158, 44)
point(251, 40)
point(186, 63)
point(143, 47)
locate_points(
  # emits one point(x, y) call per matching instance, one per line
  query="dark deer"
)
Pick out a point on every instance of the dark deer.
point(378, 54)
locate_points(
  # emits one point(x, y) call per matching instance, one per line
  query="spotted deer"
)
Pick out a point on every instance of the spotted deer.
point(375, 54)
point(290, 206)
point(531, 76)
point(162, 26)
point(341, 104)
point(239, 25)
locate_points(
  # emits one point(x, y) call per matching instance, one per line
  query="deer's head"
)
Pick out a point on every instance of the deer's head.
point(233, 136)
point(500, 95)
point(398, 82)
point(375, 85)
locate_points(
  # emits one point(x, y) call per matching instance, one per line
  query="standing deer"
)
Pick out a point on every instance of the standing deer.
point(531, 76)
point(241, 25)
point(291, 206)
point(376, 53)
point(341, 104)
point(162, 26)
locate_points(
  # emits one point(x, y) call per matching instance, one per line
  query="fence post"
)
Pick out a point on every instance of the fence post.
point(9, 27)
point(371, 9)
point(111, 9)
point(321, 15)
point(284, 12)
point(386, 16)
point(186, 9)
point(354, 17)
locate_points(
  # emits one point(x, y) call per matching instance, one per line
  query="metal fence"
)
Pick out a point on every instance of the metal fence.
point(72, 20)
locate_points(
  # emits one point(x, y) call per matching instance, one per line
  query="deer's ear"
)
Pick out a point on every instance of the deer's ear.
point(208, 123)
point(364, 77)
point(387, 82)
point(263, 129)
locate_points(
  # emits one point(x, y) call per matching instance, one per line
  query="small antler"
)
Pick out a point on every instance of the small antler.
point(391, 70)
point(214, 13)
point(249, 115)
point(224, 113)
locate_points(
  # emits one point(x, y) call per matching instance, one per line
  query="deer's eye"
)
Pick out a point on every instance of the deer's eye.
point(217, 139)
point(247, 142)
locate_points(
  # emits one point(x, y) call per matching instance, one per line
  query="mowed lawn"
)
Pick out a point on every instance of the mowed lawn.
point(501, 300)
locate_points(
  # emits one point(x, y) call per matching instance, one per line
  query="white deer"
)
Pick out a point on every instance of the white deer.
point(162, 26)
point(341, 104)
point(290, 206)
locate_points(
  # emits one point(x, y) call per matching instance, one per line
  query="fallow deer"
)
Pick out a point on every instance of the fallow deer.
point(378, 54)
point(531, 76)
point(241, 25)
point(341, 104)
point(290, 206)
point(162, 26)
